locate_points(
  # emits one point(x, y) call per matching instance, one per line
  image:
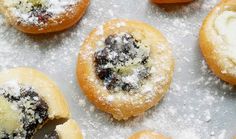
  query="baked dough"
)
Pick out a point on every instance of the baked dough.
point(68, 130)
point(146, 134)
point(43, 16)
point(170, 1)
point(1, 7)
point(218, 40)
point(122, 87)
point(28, 95)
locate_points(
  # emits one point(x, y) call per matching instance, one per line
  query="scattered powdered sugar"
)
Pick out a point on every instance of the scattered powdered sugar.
point(110, 98)
point(120, 24)
point(14, 85)
point(198, 104)
point(100, 30)
point(59, 6)
point(187, 134)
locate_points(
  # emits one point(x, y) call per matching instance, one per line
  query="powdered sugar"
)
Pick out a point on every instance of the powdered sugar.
point(100, 30)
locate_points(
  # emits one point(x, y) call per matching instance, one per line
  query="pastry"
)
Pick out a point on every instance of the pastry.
point(125, 67)
point(68, 130)
point(218, 40)
point(147, 135)
point(43, 16)
point(28, 99)
point(170, 1)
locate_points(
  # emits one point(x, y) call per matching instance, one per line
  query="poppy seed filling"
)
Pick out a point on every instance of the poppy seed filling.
point(33, 111)
point(123, 63)
point(40, 13)
point(35, 10)
point(52, 135)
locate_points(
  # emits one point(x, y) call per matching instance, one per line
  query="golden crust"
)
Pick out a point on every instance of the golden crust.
point(123, 105)
point(211, 47)
point(64, 21)
point(170, 1)
point(224, 1)
point(1, 7)
point(146, 134)
point(69, 130)
point(45, 88)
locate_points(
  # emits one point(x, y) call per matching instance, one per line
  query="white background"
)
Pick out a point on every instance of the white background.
point(198, 105)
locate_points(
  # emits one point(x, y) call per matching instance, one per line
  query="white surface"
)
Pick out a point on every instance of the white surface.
point(198, 105)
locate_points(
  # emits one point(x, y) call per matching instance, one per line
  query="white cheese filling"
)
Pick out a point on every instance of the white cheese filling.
point(9, 117)
point(225, 25)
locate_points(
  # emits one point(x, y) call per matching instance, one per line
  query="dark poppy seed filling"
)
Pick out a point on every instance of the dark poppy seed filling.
point(33, 110)
point(53, 135)
point(36, 12)
point(41, 13)
point(123, 63)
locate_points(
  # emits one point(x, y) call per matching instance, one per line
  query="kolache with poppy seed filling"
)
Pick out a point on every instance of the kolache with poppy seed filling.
point(218, 40)
point(43, 16)
point(28, 99)
point(125, 67)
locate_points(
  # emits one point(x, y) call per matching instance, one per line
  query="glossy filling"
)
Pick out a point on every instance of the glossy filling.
point(29, 110)
point(37, 12)
point(123, 64)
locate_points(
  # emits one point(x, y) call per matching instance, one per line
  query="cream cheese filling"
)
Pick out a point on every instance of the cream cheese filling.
point(225, 25)
point(9, 117)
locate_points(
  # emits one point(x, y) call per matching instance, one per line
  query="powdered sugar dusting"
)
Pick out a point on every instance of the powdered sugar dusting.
point(38, 12)
point(198, 105)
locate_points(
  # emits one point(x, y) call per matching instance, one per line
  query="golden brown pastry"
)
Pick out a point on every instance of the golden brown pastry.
point(1, 7)
point(68, 130)
point(146, 134)
point(125, 67)
point(170, 1)
point(28, 99)
point(43, 16)
point(218, 40)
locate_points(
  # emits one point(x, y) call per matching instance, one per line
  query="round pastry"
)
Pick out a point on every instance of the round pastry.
point(68, 130)
point(147, 135)
point(218, 40)
point(170, 1)
point(28, 99)
point(125, 67)
point(43, 16)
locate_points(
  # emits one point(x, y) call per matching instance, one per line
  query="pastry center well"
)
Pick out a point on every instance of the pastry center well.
point(123, 64)
point(37, 12)
point(32, 12)
point(225, 25)
point(23, 110)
